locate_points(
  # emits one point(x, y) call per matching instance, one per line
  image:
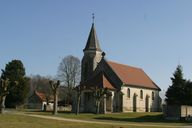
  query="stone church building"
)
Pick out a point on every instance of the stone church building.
point(131, 89)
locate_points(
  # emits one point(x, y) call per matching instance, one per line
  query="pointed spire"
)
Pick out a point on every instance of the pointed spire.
point(92, 42)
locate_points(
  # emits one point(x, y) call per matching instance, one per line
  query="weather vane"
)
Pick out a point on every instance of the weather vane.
point(93, 17)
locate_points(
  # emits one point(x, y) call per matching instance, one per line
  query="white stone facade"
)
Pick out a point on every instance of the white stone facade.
point(149, 101)
point(134, 100)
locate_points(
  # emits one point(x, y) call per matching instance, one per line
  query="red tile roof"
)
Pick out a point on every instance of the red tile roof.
point(41, 96)
point(100, 81)
point(132, 76)
point(106, 83)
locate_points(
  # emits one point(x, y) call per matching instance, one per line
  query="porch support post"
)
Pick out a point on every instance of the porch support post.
point(81, 108)
point(112, 98)
point(104, 104)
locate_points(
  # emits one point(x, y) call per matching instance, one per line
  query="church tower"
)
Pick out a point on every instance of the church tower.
point(92, 55)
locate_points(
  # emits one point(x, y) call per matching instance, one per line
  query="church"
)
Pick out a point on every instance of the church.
point(131, 89)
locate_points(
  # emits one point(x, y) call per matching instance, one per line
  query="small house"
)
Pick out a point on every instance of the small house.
point(39, 100)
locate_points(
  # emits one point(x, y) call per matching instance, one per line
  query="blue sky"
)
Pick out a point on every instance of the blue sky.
point(155, 35)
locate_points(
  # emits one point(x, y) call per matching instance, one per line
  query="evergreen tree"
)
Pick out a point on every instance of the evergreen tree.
point(176, 94)
point(15, 72)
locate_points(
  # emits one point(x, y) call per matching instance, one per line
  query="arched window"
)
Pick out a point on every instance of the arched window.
point(141, 94)
point(128, 92)
point(153, 96)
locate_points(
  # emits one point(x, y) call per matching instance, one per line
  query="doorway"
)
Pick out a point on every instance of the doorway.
point(135, 102)
point(147, 103)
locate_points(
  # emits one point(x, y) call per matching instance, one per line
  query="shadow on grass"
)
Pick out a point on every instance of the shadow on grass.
point(147, 118)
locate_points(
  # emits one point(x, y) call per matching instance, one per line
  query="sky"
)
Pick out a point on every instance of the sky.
point(155, 35)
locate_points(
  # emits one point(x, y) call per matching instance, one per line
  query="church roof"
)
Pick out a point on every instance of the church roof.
point(132, 76)
point(106, 83)
point(92, 42)
point(100, 81)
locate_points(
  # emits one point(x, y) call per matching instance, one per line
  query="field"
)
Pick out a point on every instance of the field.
point(119, 120)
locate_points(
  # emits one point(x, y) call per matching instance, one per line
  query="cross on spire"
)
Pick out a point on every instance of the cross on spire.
point(93, 17)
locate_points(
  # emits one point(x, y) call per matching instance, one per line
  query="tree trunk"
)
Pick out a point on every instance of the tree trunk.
point(2, 107)
point(78, 104)
point(55, 103)
point(98, 107)
point(104, 105)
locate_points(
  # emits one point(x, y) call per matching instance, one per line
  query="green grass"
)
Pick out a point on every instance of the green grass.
point(145, 118)
point(18, 121)
point(22, 121)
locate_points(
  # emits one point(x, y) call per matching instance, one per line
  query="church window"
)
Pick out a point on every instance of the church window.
point(88, 96)
point(128, 92)
point(153, 95)
point(141, 94)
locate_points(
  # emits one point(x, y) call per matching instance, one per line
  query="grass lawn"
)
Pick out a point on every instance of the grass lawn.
point(151, 118)
point(22, 121)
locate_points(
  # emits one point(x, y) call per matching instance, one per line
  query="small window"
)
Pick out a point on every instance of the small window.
point(128, 92)
point(153, 95)
point(141, 94)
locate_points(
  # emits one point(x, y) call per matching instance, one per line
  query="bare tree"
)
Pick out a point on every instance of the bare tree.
point(99, 94)
point(4, 90)
point(69, 73)
point(3, 93)
point(54, 87)
point(79, 90)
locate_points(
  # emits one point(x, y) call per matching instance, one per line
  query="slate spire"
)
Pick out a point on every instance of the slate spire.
point(92, 42)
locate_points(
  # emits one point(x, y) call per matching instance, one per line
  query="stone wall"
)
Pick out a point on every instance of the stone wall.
point(176, 112)
point(140, 103)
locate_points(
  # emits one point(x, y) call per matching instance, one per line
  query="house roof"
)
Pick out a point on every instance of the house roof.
point(41, 96)
point(132, 76)
point(100, 81)
point(92, 42)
